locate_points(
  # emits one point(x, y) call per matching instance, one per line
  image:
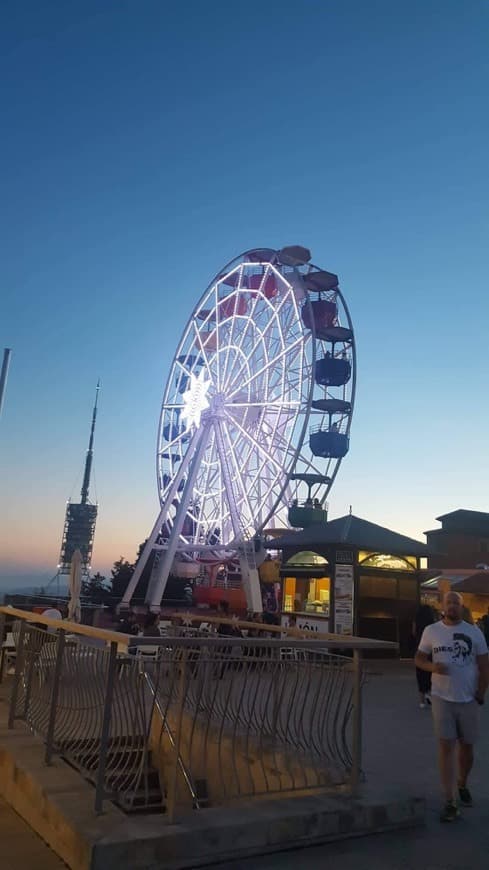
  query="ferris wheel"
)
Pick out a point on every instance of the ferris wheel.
point(256, 413)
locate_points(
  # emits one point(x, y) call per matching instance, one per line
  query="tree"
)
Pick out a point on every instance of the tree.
point(121, 572)
point(95, 589)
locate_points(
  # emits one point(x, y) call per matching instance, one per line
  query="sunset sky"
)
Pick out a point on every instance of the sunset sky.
point(144, 144)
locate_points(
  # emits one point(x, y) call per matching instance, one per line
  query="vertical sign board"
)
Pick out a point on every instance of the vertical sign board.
point(343, 599)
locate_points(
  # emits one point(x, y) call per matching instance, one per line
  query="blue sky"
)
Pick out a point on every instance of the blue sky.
point(144, 144)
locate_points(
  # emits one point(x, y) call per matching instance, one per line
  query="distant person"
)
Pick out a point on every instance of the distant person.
point(151, 626)
point(460, 668)
point(225, 629)
point(52, 613)
point(189, 594)
point(270, 617)
point(424, 617)
point(484, 625)
point(128, 624)
point(257, 619)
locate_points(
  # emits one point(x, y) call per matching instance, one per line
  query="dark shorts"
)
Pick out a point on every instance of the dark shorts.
point(454, 721)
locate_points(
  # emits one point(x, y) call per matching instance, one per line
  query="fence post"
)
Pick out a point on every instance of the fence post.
point(54, 696)
point(2, 638)
point(356, 768)
point(104, 735)
point(19, 666)
point(173, 784)
point(29, 669)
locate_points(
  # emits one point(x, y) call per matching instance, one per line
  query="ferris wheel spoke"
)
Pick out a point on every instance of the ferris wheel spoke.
point(247, 353)
point(239, 480)
point(171, 444)
point(227, 477)
point(250, 328)
point(206, 487)
point(203, 351)
point(236, 321)
point(251, 324)
point(269, 365)
point(272, 321)
point(254, 442)
point(245, 474)
point(253, 352)
point(274, 403)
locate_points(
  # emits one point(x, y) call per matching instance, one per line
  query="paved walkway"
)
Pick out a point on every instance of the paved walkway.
point(400, 755)
point(20, 847)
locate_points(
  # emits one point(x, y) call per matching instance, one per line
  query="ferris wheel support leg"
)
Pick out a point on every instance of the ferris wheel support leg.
point(251, 585)
point(249, 574)
point(133, 582)
point(148, 547)
point(159, 579)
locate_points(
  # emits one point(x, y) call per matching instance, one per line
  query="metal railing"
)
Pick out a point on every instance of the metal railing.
point(185, 722)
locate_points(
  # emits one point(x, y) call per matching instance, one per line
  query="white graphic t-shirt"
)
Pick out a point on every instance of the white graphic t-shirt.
point(457, 647)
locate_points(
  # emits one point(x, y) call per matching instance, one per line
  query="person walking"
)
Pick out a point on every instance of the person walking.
point(484, 625)
point(460, 676)
point(152, 625)
point(424, 617)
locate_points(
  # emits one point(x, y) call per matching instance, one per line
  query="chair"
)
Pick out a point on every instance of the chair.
point(8, 655)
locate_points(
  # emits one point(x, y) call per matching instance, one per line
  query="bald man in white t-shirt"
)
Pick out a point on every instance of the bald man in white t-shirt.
point(455, 652)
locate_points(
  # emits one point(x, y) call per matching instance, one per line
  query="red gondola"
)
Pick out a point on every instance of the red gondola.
point(323, 311)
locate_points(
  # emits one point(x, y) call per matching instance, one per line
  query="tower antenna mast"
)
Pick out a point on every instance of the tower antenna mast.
point(89, 459)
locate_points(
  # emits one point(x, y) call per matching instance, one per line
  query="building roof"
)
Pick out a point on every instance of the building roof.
point(354, 532)
point(476, 522)
point(470, 581)
point(464, 514)
point(477, 584)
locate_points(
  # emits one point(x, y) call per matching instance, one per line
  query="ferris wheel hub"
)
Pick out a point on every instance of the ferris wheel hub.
point(217, 405)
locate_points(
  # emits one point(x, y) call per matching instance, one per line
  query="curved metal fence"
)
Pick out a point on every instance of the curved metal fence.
point(185, 722)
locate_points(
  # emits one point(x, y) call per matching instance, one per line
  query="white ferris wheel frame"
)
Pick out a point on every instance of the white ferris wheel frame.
point(203, 466)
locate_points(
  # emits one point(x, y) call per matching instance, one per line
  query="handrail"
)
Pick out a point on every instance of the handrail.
point(345, 641)
point(67, 626)
point(340, 640)
point(218, 640)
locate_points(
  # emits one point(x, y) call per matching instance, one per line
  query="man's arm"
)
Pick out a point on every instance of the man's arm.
point(422, 661)
point(483, 665)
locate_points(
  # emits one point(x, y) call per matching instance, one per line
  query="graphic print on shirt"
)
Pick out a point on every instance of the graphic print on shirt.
point(462, 648)
point(461, 651)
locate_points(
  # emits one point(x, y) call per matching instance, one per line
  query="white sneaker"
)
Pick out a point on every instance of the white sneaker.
point(422, 706)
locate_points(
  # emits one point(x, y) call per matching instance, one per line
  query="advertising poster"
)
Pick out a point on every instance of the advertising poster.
point(343, 599)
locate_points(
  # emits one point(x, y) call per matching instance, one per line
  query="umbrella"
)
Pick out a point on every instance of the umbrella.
point(74, 607)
